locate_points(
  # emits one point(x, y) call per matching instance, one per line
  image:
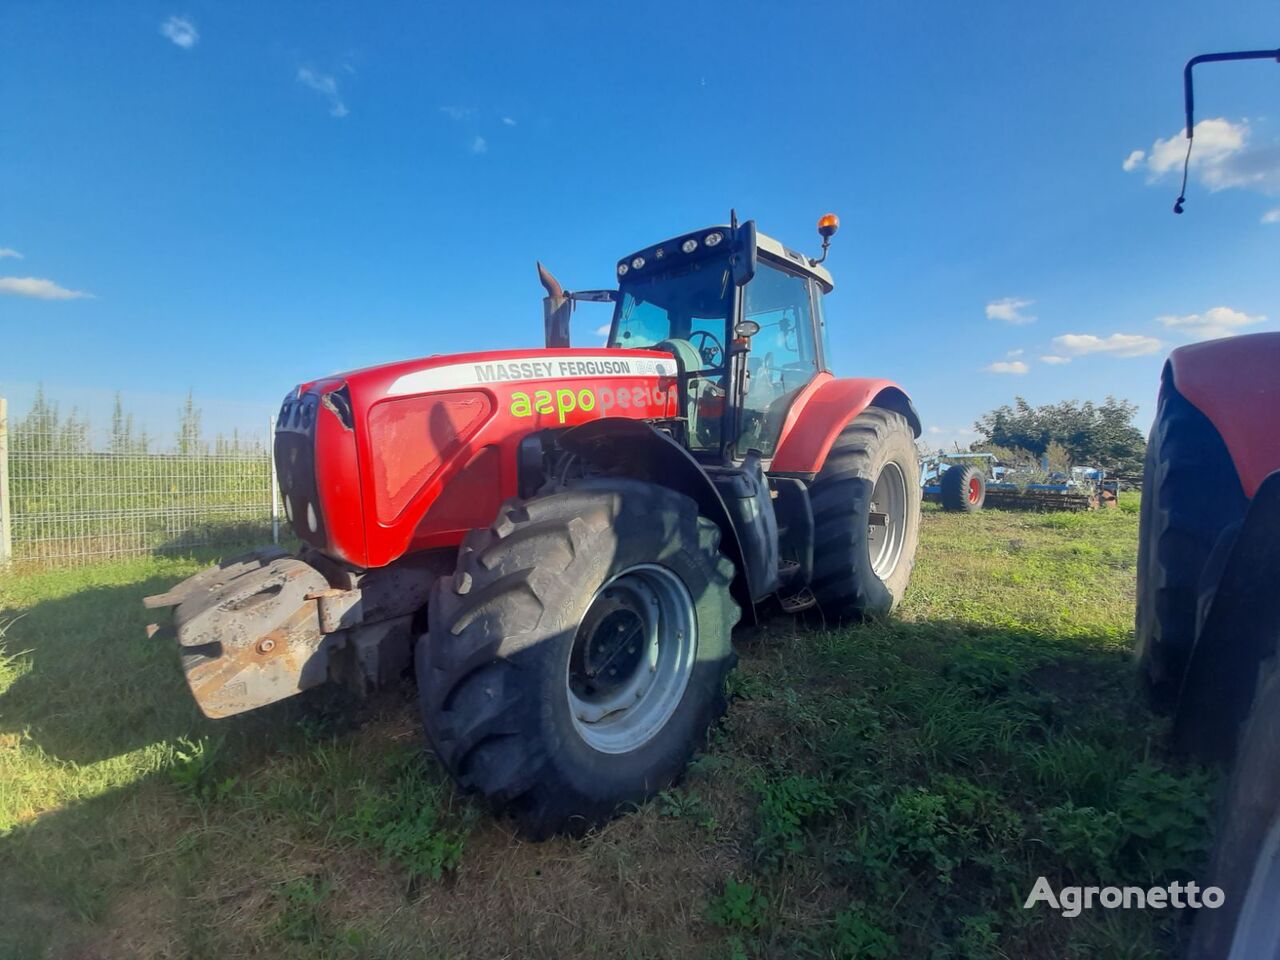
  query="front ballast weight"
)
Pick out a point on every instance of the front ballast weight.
point(266, 625)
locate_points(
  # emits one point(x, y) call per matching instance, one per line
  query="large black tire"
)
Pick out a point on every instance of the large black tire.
point(964, 488)
point(1248, 833)
point(1191, 496)
point(844, 580)
point(493, 669)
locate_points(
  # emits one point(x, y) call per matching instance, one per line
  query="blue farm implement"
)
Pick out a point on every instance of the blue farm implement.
point(967, 482)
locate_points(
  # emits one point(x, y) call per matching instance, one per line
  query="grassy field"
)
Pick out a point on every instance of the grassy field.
point(891, 790)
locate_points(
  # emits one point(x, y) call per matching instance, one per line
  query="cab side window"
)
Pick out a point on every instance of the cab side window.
point(783, 358)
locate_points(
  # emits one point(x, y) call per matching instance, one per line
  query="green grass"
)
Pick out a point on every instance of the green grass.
point(891, 790)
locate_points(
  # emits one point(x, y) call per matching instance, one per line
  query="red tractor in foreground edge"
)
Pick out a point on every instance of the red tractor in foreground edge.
point(560, 541)
point(1208, 618)
point(1208, 604)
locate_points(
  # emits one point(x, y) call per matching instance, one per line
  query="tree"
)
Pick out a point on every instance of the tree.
point(122, 440)
point(189, 441)
point(37, 430)
point(44, 430)
point(1090, 434)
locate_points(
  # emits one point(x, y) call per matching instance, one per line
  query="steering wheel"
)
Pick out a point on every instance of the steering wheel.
point(711, 349)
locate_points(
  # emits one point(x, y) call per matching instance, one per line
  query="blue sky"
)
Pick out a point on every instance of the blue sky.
point(250, 195)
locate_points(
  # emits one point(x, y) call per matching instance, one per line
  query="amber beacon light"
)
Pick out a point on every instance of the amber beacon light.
point(828, 224)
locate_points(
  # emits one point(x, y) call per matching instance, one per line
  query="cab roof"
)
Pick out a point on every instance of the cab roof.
point(671, 250)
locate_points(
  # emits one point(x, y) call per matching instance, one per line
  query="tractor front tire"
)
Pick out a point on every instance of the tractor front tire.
point(866, 511)
point(1191, 496)
point(577, 657)
point(964, 488)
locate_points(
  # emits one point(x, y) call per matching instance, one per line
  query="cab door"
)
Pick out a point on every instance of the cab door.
point(785, 355)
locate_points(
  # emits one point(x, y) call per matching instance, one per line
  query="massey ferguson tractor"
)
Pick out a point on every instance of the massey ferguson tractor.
point(1208, 611)
point(559, 541)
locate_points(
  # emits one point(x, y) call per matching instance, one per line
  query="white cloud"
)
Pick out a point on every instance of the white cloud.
point(1213, 323)
point(1272, 216)
point(1015, 353)
point(1007, 366)
point(1117, 345)
point(603, 330)
point(9, 252)
point(1222, 156)
point(507, 121)
point(324, 84)
point(1009, 309)
point(39, 289)
point(181, 31)
point(457, 113)
point(1133, 160)
point(479, 145)
point(1054, 360)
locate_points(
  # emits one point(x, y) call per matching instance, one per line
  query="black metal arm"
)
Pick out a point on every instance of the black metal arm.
point(1190, 99)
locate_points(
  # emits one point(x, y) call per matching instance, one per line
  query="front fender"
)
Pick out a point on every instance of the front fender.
point(632, 448)
point(1233, 382)
point(821, 411)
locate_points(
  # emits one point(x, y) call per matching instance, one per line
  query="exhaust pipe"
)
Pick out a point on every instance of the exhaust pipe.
point(556, 310)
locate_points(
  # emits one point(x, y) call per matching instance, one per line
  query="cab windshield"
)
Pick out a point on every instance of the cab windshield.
point(691, 304)
point(686, 312)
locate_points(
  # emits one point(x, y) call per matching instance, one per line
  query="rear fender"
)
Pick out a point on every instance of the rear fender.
point(1240, 625)
point(821, 411)
point(1233, 383)
point(632, 448)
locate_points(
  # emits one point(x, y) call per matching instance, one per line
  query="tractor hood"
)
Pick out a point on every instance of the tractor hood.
point(411, 455)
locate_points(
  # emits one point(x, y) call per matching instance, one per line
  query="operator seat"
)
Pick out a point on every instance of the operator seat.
point(687, 357)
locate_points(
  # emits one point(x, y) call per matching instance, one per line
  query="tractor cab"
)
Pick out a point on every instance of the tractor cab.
point(742, 315)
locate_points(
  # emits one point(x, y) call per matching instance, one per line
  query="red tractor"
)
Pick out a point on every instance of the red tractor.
point(560, 541)
point(1208, 621)
point(1208, 607)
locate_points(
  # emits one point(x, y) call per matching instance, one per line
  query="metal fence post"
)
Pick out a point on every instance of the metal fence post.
point(6, 516)
point(275, 487)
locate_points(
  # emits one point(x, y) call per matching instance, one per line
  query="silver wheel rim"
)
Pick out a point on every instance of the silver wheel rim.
point(631, 659)
point(1257, 933)
point(887, 526)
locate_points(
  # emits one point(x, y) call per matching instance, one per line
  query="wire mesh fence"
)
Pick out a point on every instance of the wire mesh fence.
point(76, 495)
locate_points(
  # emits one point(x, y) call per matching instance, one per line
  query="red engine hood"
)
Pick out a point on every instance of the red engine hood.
point(409, 456)
point(461, 371)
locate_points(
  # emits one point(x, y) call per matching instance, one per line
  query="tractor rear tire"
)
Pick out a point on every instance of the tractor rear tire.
point(964, 488)
point(866, 511)
point(1191, 496)
point(527, 695)
point(1246, 858)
